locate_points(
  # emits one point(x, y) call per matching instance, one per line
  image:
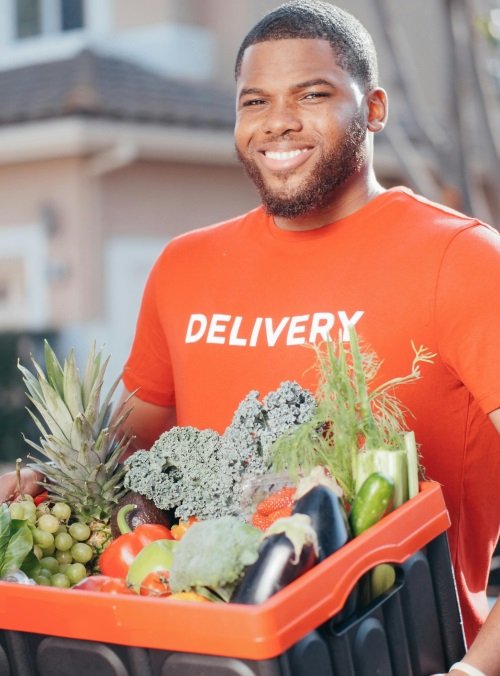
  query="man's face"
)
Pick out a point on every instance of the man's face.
point(300, 129)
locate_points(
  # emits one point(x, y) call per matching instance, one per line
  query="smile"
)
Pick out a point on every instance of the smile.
point(288, 155)
point(285, 160)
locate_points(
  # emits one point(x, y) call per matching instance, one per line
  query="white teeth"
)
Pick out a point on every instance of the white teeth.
point(284, 155)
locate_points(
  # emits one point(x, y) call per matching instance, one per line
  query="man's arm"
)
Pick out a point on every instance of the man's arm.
point(484, 653)
point(145, 421)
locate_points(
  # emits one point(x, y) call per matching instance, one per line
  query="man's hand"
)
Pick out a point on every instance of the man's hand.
point(9, 489)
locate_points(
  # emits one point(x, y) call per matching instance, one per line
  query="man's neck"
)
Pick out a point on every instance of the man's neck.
point(341, 206)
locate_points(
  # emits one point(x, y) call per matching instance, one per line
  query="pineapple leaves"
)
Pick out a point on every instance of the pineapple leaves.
point(54, 370)
point(79, 448)
point(72, 393)
point(92, 368)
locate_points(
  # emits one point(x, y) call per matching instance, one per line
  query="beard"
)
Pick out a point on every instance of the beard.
point(334, 167)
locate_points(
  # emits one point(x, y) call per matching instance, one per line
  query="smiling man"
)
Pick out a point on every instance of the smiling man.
point(228, 308)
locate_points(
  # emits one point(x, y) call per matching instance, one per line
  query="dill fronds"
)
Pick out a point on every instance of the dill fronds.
point(349, 417)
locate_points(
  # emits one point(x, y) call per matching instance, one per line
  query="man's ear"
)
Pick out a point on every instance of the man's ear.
point(377, 104)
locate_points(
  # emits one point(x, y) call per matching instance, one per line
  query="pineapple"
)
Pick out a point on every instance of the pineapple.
point(79, 446)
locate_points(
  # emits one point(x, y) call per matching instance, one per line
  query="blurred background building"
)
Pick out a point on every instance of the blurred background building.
point(116, 122)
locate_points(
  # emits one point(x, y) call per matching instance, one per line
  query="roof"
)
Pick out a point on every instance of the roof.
point(94, 85)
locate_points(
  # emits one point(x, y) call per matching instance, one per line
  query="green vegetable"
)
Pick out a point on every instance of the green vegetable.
point(372, 501)
point(392, 463)
point(412, 463)
point(200, 472)
point(351, 416)
point(212, 556)
point(157, 556)
point(382, 578)
point(16, 541)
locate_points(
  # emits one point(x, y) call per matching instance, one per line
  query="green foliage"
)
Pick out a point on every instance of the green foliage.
point(350, 416)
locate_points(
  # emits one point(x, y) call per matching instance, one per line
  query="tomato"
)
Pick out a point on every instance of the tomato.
point(115, 585)
point(104, 583)
point(179, 529)
point(91, 583)
point(156, 584)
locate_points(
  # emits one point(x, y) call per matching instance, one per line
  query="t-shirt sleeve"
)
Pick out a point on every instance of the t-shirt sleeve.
point(148, 368)
point(468, 312)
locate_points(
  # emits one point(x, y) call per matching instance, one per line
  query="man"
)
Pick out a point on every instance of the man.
point(230, 308)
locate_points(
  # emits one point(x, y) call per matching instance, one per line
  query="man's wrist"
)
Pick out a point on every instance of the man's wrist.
point(466, 668)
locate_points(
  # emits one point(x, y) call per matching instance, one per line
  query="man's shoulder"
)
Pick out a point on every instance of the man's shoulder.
point(437, 212)
point(217, 231)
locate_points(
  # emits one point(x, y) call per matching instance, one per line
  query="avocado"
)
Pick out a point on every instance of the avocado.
point(146, 512)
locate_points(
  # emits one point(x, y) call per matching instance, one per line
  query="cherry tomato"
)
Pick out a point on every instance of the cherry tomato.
point(115, 585)
point(41, 497)
point(156, 584)
point(179, 529)
point(104, 583)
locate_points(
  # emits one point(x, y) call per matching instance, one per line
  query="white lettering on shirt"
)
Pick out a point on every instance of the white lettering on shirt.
point(273, 334)
point(255, 331)
point(349, 321)
point(321, 324)
point(199, 321)
point(295, 330)
point(238, 331)
point(217, 326)
point(233, 338)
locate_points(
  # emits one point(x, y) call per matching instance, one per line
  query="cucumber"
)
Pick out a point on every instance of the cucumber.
point(371, 502)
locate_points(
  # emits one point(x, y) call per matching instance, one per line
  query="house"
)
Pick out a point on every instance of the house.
point(116, 124)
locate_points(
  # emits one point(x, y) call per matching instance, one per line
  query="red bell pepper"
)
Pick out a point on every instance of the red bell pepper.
point(41, 497)
point(118, 556)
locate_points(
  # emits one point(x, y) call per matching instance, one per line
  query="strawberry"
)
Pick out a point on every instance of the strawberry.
point(277, 500)
point(260, 521)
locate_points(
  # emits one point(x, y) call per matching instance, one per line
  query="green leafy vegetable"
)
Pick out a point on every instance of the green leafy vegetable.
point(16, 541)
point(350, 417)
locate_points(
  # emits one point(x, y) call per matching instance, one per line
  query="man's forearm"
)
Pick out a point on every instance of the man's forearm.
point(484, 653)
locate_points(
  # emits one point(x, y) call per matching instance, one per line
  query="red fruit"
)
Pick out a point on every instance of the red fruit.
point(115, 585)
point(156, 584)
point(91, 583)
point(104, 583)
point(279, 514)
point(278, 500)
point(260, 521)
point(41, 497)
point(178, 530)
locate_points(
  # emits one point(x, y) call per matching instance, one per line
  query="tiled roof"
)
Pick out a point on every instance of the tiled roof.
point(99, 86)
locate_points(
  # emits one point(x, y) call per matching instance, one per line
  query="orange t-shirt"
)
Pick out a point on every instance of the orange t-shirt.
point(231, 308)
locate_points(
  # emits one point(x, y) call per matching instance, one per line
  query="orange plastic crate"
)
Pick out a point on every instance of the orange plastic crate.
point(241, 631)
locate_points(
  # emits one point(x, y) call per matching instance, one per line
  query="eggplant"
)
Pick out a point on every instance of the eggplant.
point(331, 524)
point(328, 518)
point(273, 570)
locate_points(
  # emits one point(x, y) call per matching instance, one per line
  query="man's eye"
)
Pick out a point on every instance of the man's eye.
point(252, 102)
point(316, 95)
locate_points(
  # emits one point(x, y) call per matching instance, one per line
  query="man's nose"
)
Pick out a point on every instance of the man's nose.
point(281, 118)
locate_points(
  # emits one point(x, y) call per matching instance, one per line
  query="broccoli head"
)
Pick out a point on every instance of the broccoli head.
point(212, 556)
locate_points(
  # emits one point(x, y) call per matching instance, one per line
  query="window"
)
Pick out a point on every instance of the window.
point(41, 17)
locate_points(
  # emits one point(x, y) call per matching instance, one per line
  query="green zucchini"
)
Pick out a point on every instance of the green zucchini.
point(371, 502)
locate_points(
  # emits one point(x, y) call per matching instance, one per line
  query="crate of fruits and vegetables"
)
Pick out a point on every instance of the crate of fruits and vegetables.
point(303, 533)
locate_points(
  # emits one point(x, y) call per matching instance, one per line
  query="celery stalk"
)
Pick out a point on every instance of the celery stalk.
point(412, 462)
point(393, 463)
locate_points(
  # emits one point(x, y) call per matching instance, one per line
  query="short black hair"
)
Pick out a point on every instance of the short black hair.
point(317, 19)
